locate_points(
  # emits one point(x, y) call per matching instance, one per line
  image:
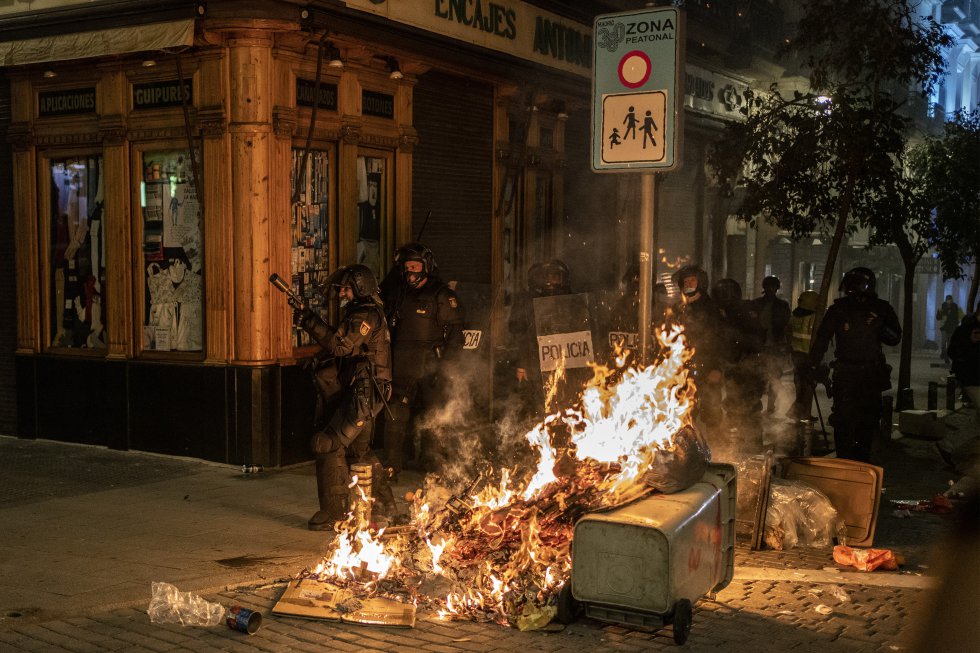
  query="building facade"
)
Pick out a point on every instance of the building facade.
point(164, 163)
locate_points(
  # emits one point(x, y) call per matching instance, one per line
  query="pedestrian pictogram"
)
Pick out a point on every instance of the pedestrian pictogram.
point(635, 113)
point(633, 124)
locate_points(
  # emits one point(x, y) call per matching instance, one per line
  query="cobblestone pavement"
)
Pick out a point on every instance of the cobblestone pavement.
point(71, 528)
point(749, 615)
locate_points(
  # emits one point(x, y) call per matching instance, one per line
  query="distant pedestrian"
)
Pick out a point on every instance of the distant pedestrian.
point(964, 352)
point(948, 316)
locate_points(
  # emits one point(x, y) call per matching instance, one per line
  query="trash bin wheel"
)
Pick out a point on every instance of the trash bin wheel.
point(568, 607)
point(682, 621)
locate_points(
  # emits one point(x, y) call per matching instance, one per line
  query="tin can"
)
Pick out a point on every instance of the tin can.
point(243, 619)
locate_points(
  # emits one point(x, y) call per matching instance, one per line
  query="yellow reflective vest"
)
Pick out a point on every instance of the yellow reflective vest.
point(801, 330)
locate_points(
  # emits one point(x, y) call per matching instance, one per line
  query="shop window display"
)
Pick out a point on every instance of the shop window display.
point(172, 254)
point(77, 254)
point(310, 228)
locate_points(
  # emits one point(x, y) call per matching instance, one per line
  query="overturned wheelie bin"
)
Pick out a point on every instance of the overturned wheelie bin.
point(648, 562)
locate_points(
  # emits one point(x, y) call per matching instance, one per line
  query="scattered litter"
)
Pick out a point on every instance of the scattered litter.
point(815, 591)
point(171, 606)
point(895, 648)
point(923, 566)
point(463, 639)
point(799, 515)
point(866, 559)
point(902, 513)
point(823, 609)
point(789, 612)
point(838, 593)
point(939, 504)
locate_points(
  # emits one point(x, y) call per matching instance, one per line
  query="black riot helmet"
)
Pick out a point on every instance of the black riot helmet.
point(554, 278)
point(858, 282)
point(415, 252)
point(359, 278)
point(687, 272)
point(726, 291)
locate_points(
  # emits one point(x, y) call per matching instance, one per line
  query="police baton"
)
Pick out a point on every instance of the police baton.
point(381, 394)
point(823, 429)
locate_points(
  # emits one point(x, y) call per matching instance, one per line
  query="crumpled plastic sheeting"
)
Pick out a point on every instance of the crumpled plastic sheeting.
point(799, 515)
point(535, 618)
point(681, 465)
point(171, 606)
point(865, 559)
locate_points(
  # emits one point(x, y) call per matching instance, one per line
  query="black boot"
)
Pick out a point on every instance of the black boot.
point(331, 490)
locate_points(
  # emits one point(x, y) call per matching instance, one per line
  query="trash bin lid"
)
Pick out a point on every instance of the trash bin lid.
point(854, 489)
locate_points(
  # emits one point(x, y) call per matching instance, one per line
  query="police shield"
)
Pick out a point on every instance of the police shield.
point(564, 327)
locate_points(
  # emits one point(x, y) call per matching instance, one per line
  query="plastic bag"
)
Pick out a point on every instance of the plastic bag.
point(681, 465)
point(170, 606)
point(866, 559)
point(799, 515)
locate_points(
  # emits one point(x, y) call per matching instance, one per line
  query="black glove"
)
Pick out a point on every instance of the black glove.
point(304, 317)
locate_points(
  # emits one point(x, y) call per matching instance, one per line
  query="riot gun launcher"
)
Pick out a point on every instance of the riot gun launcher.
point(295, 301)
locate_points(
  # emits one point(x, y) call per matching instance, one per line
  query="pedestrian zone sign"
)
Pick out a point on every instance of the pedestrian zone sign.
point(635, 73)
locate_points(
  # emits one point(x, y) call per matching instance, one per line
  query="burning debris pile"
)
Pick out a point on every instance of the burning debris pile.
point(499, 549)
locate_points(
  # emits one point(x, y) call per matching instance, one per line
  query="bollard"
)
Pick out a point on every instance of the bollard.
point(932, 398)
point(951, 393)
point(906, 400)
point(887, 409)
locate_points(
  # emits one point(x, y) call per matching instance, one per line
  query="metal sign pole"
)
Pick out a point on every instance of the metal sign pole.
point(647, 204)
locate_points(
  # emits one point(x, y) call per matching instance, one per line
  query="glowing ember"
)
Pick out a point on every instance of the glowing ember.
point(501, 549)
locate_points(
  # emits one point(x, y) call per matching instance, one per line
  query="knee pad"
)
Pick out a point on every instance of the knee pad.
point(324, 442)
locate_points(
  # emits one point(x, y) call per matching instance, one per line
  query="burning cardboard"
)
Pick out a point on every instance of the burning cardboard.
point(499, 549)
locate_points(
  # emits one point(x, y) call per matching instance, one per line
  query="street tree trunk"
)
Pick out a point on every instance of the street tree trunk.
point(843, 212)
point(908, 288)
point(974, 283)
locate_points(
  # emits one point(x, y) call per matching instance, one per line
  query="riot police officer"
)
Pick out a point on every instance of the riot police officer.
point(698, 314)
point(774, 315)
point(744, 335)
point(426, 323)
point(358, 351)
point(543, 280)
point(625, 313)
point(859, 323)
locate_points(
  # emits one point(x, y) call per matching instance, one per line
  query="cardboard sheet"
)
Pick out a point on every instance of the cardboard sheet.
point(316, 599)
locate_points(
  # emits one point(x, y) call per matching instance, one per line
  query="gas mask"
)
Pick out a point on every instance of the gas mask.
point(413, 278)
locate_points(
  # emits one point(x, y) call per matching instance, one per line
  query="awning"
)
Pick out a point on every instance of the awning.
point(83, 45)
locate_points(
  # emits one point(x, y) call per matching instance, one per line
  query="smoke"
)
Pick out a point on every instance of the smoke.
point(747, 426)
point(456, 428)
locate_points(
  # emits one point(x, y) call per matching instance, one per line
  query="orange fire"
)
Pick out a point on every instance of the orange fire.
point(503, 550)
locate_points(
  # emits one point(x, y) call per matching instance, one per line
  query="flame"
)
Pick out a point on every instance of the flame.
point(504, 547)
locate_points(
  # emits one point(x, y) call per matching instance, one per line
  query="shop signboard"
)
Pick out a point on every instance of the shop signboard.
point(66, 102)
point(636, 111)
point(327, 95)
point(161, 95)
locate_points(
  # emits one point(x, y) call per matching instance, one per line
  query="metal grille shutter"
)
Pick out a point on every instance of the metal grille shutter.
point(452, 169)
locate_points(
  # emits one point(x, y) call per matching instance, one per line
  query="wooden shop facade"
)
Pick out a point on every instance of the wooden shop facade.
point(165, 162)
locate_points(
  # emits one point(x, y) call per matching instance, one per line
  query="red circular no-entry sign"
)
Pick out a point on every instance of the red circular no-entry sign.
point(634, 69)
